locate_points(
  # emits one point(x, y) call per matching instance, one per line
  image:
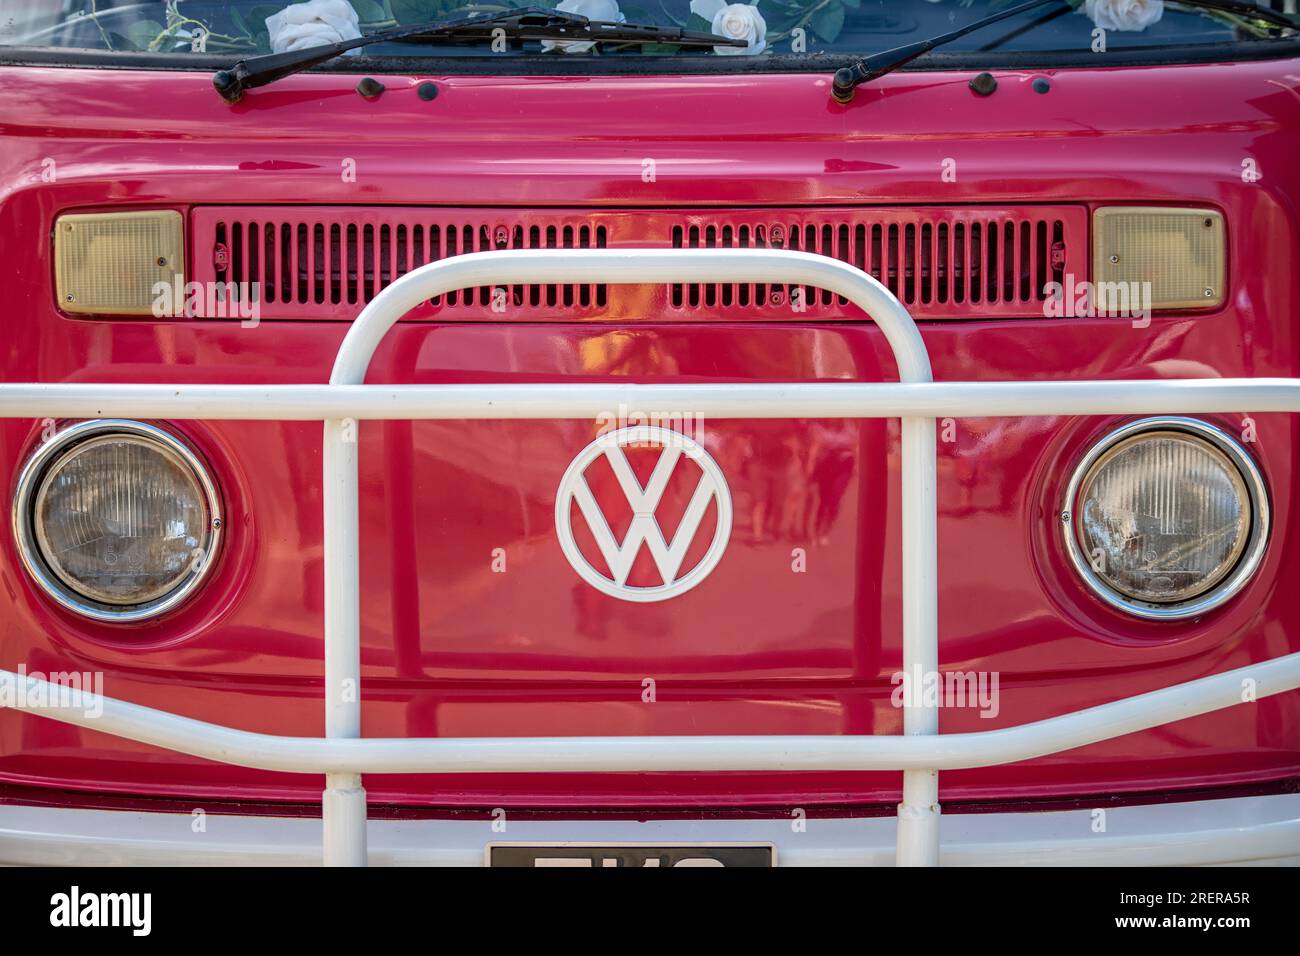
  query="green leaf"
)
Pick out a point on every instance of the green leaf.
point(119, 42)
point(237, 19)
point(659, 49)
point(368, 11)
point(829, 23)
point(680, 21)
point(259, 15)
point(142, 33)
point(698, 24)
point(413, 11)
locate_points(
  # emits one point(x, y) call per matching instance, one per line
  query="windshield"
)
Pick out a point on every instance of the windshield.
point(784, 28)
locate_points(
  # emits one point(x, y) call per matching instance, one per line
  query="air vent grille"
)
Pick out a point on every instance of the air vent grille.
point(955, 262)
point(327, 262)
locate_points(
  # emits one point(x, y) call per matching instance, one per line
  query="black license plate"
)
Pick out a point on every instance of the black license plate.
point(638, 855)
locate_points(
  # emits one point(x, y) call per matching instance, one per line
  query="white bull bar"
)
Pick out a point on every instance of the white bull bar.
point(920, 752)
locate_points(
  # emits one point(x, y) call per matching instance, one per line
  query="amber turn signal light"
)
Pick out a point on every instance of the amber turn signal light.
point(1176, 256)
point(109, 263)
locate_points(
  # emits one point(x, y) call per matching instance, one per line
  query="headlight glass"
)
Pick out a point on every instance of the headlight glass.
point(1165, 514)
point(118, 519)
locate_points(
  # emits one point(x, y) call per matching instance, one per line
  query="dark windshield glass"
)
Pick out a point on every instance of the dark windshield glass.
point(771, 27)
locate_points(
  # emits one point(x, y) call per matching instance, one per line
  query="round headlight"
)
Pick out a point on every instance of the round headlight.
point(116, 520)
point(1166, 518)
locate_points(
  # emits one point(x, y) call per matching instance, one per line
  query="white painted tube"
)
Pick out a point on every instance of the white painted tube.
point(918, 814)
point(567, 400)
point(624, 267)
point(649, 754)
point(918, 475)
point(343, 804)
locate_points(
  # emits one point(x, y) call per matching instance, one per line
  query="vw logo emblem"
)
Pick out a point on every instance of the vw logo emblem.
point(643, 501)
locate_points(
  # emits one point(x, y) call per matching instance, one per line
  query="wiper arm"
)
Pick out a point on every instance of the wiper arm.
point(529, 23)
point(848, 79)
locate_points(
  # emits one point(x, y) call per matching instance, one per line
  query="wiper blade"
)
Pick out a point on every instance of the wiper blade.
point(529, 23)
point(848, 79)
point(538, 24)
point(1247, 10)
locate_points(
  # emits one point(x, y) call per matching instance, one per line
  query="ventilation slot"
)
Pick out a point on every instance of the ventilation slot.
point(958, 265)
point(346, 264)
point(943, 262)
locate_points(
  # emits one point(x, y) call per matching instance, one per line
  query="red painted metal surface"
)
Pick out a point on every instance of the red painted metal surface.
point(326, 262)
point(452, 647)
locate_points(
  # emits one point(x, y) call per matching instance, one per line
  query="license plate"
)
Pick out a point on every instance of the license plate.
point(630, 854)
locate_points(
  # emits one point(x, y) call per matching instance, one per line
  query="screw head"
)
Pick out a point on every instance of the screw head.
point(427, 90)
point(984, 84)
point(1042, 85)
point(1114, 259)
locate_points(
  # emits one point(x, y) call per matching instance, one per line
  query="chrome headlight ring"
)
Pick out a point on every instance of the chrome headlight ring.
point(32, 485)
point(1220, 591)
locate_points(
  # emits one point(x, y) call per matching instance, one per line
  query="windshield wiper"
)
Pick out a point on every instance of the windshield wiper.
point(848, 79)
point(529, 23)
point(1247, 10)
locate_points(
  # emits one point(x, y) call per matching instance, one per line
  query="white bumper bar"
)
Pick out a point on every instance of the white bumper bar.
point(343, 755)
point(650, 754)
point(1262, 830)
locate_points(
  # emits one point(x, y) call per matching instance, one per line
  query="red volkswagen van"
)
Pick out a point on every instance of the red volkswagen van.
point(791, 432)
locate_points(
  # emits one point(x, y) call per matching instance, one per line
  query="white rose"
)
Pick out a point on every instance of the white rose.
point(606, 11)
point(316, 23)
point(1124, 14)
point(735, 21)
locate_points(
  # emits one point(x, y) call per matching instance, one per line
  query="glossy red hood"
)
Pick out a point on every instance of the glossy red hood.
point(454, 646)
